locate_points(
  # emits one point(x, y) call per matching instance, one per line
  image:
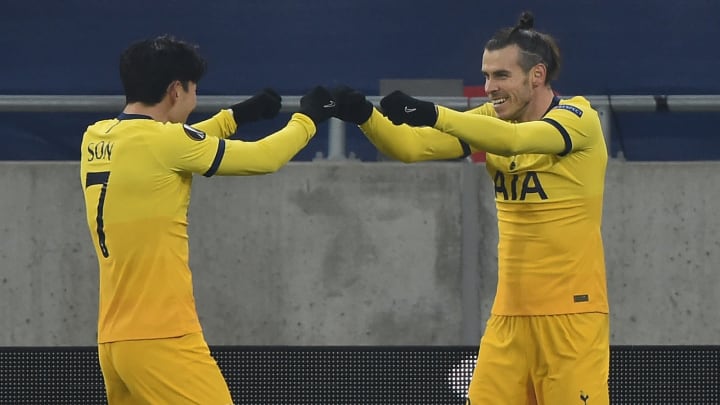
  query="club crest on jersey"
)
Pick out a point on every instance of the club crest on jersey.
point(570, 108)
point(194, 134)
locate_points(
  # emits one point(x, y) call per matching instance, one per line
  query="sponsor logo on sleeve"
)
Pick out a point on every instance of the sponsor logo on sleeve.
point(570, 108)
point(194, 134)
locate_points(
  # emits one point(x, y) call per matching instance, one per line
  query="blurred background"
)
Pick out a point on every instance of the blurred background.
point(629, 47)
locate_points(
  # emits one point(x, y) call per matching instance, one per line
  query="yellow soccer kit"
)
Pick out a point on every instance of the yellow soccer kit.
point(549, 208)
point(543, 360)
point(178, 370)
point(549, 178)
point(136, 175)
point(547, 340)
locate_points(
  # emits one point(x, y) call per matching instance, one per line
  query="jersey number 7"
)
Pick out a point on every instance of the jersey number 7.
point(99, 178)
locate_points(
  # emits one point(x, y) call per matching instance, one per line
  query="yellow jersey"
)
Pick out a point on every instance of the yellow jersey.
point(136, 175)
point(549, 178)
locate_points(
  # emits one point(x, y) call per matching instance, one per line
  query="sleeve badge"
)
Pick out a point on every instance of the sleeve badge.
point(570, 108)
point(194, 134)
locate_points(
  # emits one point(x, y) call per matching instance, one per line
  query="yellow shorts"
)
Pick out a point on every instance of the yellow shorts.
point(162, 371)
point(544, 360)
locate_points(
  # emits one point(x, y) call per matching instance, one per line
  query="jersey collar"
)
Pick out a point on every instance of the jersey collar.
point(554, 103)
point(124, 116)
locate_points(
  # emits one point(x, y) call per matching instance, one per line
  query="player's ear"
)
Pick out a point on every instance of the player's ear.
point(173, 89)
point(538, 73)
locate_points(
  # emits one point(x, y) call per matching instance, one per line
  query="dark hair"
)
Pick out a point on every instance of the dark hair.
point(535, 47)
point(148, 67)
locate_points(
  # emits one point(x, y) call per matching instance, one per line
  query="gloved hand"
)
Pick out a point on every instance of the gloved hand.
point(318, 104)
point(264, 105)
point(403, 109)
point(352, 106)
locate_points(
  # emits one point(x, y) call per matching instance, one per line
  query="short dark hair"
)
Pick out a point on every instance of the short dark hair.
point(535, 47)
point(148, 67)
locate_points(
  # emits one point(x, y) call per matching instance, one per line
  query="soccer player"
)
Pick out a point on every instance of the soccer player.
point(136, 174)
point(547, 338)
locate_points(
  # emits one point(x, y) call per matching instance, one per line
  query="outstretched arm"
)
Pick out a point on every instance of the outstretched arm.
point(263, 105)
point(501, 137)
point(482, 132)
point(403, 143)
point(210, 156)
point(269, 154)
point(221, 125)
point(409, 144)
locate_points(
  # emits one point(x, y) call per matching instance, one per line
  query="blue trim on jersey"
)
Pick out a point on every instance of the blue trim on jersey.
point(218, 158)
point(564, 133)
point(466, 149)
point(124, 116)
point(554, 103)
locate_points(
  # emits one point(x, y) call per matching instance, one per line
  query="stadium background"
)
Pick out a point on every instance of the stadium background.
point(610, 48)
point(362, 253)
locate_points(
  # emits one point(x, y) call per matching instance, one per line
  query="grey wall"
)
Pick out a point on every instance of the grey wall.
point(361, 254)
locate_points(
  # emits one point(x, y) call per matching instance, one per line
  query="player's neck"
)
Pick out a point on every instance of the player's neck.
point(158, 112)
point(542, 99)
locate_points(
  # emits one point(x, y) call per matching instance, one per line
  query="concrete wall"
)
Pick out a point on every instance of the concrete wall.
point(361, 254)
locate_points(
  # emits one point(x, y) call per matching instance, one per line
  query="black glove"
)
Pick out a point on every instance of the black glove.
point(264, 105)
point(318, 104)
point(403, 109)
point(352, 106)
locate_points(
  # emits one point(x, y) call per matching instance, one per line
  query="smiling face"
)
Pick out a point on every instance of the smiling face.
point(511, 89)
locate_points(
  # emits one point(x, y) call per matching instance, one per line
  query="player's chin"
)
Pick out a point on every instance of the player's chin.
point(507, 112)
point(502, 111)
